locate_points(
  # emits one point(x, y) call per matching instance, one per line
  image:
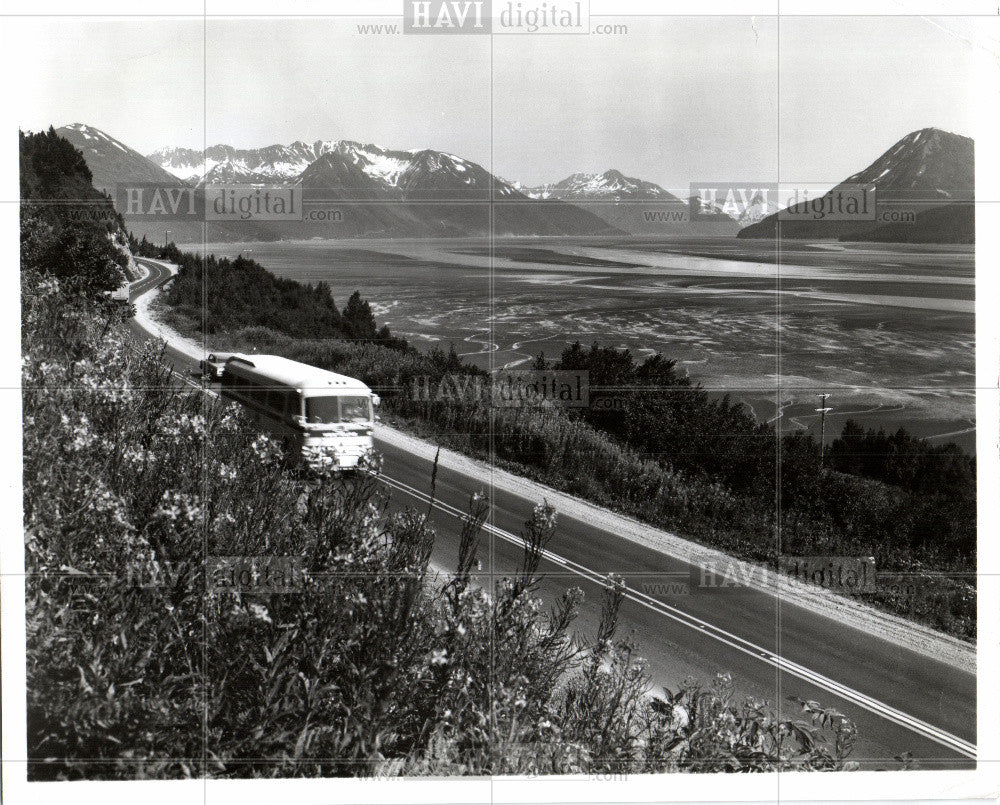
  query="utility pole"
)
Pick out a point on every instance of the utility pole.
point(822, 411)
point(166, 238)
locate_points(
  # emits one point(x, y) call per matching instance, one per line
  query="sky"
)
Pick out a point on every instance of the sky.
point(675, 100)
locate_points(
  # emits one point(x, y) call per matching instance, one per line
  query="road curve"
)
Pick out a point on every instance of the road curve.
point(901, 701)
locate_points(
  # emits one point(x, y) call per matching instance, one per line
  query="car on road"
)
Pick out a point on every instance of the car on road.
point(214, 364)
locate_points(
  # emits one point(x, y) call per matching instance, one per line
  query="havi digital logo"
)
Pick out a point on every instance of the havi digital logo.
point(446, 16)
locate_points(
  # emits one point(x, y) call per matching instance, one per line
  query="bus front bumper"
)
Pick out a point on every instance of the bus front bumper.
point(336, 455)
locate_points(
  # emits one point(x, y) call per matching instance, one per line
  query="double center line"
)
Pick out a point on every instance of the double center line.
point(856, 697)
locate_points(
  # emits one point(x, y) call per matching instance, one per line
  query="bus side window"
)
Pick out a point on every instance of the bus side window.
point(276, 402)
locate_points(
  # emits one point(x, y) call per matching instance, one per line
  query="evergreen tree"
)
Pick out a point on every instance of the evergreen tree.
point(358, 319)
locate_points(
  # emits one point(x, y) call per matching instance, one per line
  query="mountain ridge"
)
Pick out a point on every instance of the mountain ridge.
point(929, 167)
point(377, 192)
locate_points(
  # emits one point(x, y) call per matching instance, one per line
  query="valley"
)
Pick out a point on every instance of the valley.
point(839, 321)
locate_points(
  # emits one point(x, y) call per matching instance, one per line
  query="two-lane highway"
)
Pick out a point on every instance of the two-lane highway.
point(901, 700)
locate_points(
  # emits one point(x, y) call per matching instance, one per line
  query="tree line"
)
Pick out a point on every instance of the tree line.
point(228, 294)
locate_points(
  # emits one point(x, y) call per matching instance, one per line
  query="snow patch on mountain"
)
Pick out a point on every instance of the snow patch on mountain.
point(284, 164)
point(90, 133)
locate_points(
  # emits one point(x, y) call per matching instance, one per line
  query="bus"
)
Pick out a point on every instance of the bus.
point(121, 293)
point(323, 419)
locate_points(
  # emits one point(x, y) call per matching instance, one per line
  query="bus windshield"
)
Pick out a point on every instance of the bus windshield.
point(355, 409)
point(326, 410)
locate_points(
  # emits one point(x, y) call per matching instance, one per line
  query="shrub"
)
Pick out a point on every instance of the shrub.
point(68, 229)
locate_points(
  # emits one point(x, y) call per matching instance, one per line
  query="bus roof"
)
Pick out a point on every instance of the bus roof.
point(292, 373)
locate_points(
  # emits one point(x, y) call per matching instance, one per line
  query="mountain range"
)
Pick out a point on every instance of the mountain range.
point(384, 192)
point(417, 192)
point(375, 191)
point(352, 169)
point(634, 205)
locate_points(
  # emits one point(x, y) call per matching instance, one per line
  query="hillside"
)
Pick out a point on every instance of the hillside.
point(953, 223)
point(145, 661)
point(69, 229)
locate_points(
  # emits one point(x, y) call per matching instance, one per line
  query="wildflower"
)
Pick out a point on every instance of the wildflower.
point(179, 506)
point(137, 455)
point(544, 517)
point(259, 611)
point(439, 657)
point(263, 447)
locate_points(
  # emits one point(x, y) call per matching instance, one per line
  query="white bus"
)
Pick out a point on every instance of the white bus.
point(121, 293)
point(323, 419)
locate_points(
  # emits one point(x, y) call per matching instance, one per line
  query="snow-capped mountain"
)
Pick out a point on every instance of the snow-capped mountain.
point(427, 192)
point(112, 162)
point(419, 173)
point(760, 205)
point(361, 166)
point(930, 169)
point(350, 164)
point(758, 209)
point(187, 164)
point(424, 192)
point(612, 185)
point(634, 205)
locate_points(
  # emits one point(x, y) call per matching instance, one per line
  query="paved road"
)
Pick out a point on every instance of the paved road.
point(156, 277)
point(901, 700)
